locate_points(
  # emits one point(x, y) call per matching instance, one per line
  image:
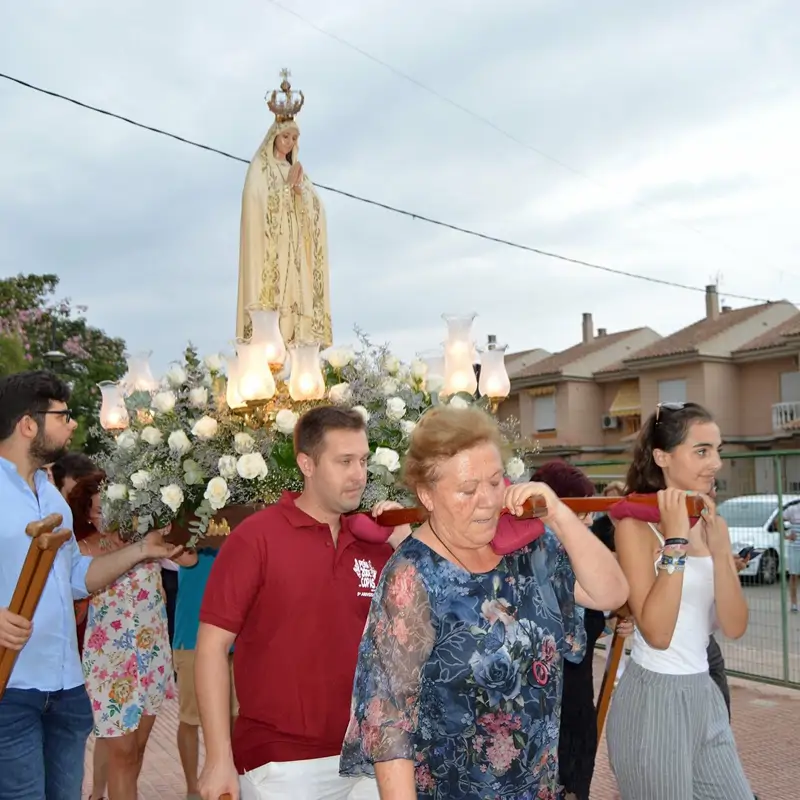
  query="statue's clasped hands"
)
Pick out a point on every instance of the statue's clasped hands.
point(295, 177)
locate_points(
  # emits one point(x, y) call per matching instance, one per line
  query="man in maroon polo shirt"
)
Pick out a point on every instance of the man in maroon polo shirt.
point(291, 589)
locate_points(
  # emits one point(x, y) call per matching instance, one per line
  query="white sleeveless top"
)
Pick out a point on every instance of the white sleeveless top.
point(686, 654)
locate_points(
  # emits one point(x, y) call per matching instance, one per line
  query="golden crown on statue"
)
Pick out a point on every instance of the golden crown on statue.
point(287, 107)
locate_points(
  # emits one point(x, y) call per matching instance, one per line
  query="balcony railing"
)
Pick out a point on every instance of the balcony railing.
point(784, 414)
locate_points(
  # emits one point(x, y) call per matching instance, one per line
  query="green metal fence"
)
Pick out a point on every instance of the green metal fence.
point(754, 489)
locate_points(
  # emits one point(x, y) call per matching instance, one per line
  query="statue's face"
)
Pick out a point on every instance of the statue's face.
point(285, 142)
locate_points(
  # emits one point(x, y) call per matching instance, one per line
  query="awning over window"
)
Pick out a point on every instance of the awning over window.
point(628, 402)
point(541, 391)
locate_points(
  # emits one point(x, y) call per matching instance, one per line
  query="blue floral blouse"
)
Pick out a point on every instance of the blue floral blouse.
point(461, 673)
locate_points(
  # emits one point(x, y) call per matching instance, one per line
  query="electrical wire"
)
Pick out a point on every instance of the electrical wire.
point(378, 204)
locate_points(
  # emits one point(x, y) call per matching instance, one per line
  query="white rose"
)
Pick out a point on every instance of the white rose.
point(116, 491)
point(363, 411)
point(152, 436)
point(407, 426)
point(192, 472)
point(141, 479)
point(227, 466)
point(395, 408)
point(213, 362)
point(172, 497)
point(391, 364)
point(243, 443)
point(179, 443)
point(386, 457)
point(389, 387)
point(515, 468)
point(127, 440)
point(285, 420)
point(217, 493)
point(205, 428)
point(339, 357)
point(434, 383)
point(251, 466)
point(340, 393)
point(176, 375)
point(419, 369)
point(458, 402)
point(198, 397)
point(164, 402)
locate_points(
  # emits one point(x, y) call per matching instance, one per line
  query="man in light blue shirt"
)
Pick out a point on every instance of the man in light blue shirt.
point(45, 714)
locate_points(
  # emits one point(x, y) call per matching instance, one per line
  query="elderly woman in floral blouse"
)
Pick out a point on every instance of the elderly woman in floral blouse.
point(458, 686)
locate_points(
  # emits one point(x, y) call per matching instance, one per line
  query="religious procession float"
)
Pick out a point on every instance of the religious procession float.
point(211, 441)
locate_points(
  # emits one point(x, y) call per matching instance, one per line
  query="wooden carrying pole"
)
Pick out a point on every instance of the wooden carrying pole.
point(45, 542)
point(617, 648)
point(537, 507)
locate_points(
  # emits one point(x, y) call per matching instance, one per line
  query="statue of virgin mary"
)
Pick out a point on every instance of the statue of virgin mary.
point(283, 244)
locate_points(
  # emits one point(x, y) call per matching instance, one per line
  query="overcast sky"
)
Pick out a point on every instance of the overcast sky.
point(677, 121)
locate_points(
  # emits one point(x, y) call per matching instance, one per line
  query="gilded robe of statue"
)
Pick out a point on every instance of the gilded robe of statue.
point(283, 248)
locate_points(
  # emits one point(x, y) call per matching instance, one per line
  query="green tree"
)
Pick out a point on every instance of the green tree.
point(33, 323)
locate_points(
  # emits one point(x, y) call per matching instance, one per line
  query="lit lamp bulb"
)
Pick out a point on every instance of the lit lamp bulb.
point(232, 396)
point(113, 413)
point(255, 382)
point(306, 381)
point(459, 373)
point(139, 377)
point(267, 333)
point(494, 383)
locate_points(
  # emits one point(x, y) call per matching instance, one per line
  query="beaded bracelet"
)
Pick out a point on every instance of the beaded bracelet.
point(672, 563)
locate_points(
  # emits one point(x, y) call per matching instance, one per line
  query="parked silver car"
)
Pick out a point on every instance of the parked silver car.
point(753, 523)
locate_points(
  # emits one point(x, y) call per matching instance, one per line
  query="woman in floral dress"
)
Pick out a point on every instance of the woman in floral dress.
point(127, 661)
point(458, 685)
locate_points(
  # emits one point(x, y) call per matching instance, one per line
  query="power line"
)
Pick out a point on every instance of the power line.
point(475, 115)
point(377, 204)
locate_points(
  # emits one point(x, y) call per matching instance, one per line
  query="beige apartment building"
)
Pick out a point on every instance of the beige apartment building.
point(586, 403)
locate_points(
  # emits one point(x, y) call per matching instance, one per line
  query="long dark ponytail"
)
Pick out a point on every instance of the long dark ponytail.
point(664, 430)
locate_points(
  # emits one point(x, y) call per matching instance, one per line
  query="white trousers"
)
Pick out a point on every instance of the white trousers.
point(315, 779)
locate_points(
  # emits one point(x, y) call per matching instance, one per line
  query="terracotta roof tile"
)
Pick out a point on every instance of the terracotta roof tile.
point(775, 337)
point(687, 340)
point(558, 361)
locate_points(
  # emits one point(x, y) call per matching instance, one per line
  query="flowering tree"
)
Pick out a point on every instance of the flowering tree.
point(32, 322)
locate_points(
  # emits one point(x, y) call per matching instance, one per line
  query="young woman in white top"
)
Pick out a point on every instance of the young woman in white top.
point(669, 737)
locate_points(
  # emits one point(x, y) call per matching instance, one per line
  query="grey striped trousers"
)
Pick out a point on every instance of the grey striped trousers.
point(669, 738)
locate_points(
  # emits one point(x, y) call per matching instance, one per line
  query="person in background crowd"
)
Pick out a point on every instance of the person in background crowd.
point(84, 502)
point(792, 516)
point(577, 742)
point(291, 587)
point(69, 469)
point(192, 584)
point(45, 713)
point(668, 731)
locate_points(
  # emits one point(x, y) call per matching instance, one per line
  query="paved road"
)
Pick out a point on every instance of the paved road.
point(760, 651)
point(764, 721)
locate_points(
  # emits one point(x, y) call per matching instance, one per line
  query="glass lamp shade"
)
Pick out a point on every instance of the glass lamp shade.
point(494, 381)
point(113, 413)
point(232, 396)
point(434, 368)
point(306, 381)
point(267, 333)
point(139, 377)
point(459, 349)
point(255, 382)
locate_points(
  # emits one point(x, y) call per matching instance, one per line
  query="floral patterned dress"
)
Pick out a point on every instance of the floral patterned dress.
point(462, 673)
point(127, 661)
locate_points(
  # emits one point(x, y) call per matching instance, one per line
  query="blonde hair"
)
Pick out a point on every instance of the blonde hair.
point(442, 433)
point(614, 486)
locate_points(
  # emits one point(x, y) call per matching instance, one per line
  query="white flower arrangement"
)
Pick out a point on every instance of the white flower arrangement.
point(186, 455)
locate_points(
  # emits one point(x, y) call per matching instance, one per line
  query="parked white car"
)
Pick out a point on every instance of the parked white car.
point(753, 522)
